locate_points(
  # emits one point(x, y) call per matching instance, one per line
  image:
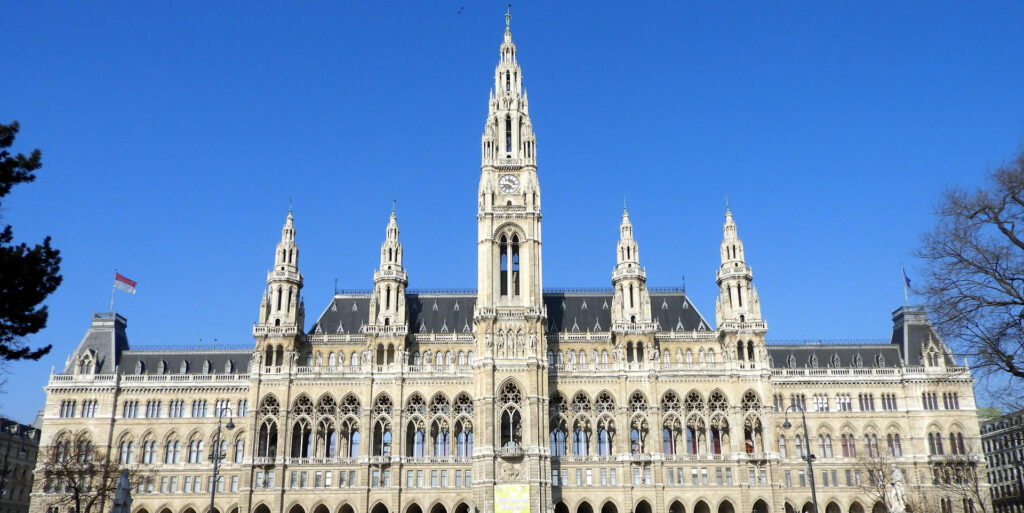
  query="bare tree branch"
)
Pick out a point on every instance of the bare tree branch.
point(80, 477)
point(974, 279)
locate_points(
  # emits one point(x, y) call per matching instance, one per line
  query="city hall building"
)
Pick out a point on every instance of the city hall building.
point(512, 398)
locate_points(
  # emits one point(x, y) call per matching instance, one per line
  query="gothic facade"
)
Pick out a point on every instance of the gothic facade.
point(514, 397)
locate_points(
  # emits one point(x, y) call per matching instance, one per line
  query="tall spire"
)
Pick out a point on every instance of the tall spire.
point(508, 133)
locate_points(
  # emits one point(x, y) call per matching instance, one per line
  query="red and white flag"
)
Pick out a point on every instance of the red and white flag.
point(123, 283)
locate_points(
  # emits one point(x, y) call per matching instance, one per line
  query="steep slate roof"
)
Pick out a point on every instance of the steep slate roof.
point(591, 311)
point(436, 313)
point(847, 354)
point(106, 338)
point(453, 312)
point(346, 313)
point(194, 358)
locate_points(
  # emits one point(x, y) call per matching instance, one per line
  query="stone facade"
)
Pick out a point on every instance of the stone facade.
point(1002, 440)
point(19, 445)
point(620, 400)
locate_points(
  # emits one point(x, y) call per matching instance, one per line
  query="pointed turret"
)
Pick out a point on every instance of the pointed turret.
point(737, 297)
point(387, 305)
point(282, 304)
point(631, 303)
point(738, 309)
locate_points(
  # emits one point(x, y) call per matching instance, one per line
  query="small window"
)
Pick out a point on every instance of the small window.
point(184, 367)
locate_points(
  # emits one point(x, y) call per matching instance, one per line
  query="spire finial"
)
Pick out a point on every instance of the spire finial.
point(394, 205)
point(508, 18)
point(289, 206)
point(623, 202)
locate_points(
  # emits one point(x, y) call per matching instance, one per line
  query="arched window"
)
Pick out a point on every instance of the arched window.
point(604, 442)
point(172, 451)
point(442, 439)
point(418, 437)
point(508, 134)
point(267, 440)
point(580, 445)
point(353, 451)
point(515, 264)
point(557, 441)
point(635, 442)
point(464, 444)
point(127, 453)
point(666, 437)
point(782, 446)
point(503, 265)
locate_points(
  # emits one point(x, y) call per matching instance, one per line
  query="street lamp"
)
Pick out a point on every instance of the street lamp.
point(808, 456)
point(216, 455)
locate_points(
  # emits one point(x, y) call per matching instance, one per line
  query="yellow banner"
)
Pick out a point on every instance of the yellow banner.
point(511, 498)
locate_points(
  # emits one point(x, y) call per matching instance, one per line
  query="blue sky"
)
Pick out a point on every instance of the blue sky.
point(174, 134)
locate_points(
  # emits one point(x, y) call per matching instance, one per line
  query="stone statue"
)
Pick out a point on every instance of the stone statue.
point(896, 491)
point(488, 341)
point(533, 341)
point(519, 342)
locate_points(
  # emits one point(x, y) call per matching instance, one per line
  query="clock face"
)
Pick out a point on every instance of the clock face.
point(508, 184)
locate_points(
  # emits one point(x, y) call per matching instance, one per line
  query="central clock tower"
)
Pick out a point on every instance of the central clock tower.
point(510, 370)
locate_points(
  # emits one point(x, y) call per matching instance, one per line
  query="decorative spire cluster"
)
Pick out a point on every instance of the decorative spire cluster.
point(508, 133)
point(282, 304)
point(387, 305)
point(737, 297)
point(631, 303)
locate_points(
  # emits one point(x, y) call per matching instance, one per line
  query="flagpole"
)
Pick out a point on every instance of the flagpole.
point(906, 296)
point(113, 289)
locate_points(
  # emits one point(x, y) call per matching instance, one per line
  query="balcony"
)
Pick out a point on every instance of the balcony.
point(511, 450)
point(640, 458)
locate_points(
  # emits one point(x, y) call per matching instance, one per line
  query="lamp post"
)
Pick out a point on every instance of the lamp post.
point(216, 454)
point(808, 456)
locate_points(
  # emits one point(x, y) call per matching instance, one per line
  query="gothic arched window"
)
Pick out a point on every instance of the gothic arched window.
point(508, 134)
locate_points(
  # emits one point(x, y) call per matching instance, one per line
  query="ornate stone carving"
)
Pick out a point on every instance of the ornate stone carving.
point(510, 472)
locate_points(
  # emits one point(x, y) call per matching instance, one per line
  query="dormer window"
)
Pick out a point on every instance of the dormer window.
point(184, 367)
point(85, 366)
point(139, 367)
point(162, 367)
point(206, 367)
